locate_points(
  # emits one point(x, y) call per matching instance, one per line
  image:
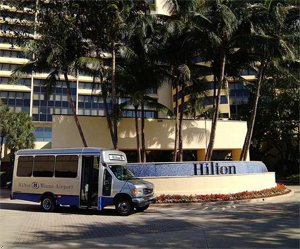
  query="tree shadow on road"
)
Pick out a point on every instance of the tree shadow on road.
point(258, 225)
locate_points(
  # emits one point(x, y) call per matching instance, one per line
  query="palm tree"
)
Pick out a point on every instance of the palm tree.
point(179, 50)
point(140, 69)
point(272, 38)
point(136, 76)
point(109, 34)
point(221, 27)
point(216, 27)
point(184, 75)
point(178, 53)
point(139, 100)
point(20, 134)
point(58, 49)
point(4, 118)
point(104, 26)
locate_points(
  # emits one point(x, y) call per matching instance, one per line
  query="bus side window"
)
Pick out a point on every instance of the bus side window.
point(66, 166)
point(25, 164)
point(43, 166)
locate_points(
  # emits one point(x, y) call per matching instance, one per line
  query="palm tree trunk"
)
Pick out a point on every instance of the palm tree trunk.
point(249, 133)
point(144, 155)
point(216, 111)
point(176, 123)
point(106, 111)
point(138, 146)
point(74, 111)
point(114, 98)
point(107, 115)
point(215, 92)
point(180, 150)
point(12, 159)
point(1, 144)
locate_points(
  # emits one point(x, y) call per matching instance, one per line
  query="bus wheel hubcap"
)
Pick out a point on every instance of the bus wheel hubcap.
point(47, 204)
point(124, 206)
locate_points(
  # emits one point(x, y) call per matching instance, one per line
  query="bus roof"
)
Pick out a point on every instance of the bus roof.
point(75, 151)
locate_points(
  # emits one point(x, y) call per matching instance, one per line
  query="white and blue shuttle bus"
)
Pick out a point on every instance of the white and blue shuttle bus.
point(83, 178)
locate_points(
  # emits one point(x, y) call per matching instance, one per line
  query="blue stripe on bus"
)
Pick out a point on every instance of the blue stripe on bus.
point(104, 201)
point(27, 197)
point(72, 200)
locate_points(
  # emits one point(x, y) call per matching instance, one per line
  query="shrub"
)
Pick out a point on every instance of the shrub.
point(278, 190)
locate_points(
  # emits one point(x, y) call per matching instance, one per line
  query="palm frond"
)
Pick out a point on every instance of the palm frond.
point(152, 103)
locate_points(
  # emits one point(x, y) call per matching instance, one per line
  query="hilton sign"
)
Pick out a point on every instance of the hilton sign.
point(216, 168)
point(211, 168)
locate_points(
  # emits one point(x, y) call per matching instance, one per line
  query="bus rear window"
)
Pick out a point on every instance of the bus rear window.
point(25, 164)
point(66, 166)
point(43, 166)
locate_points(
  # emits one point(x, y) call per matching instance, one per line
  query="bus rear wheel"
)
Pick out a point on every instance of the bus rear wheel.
point(48, 203)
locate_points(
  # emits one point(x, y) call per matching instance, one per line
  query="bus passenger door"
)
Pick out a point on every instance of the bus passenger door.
point(89, 181)
point(106, 186)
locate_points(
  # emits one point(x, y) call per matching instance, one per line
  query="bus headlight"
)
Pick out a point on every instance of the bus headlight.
point(137, 191)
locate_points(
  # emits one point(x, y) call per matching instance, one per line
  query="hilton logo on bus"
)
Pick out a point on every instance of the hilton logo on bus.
point(213, 169)
point(35, 185)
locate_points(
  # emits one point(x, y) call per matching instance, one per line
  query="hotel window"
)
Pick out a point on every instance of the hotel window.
point(8, 67)
point(43, 134)
point(20, 27)
point(10, 81)
point(249, 72)
point(224, 100)
point(210, 100)
point(56, 103)
point(17, 15)
point(152, 90)
point(130, 114)
point(17, 101)
point(92, 86)
point(90, 105)
point(12, 54)
point(128, 110)
point(152, 4)
point(4, 80)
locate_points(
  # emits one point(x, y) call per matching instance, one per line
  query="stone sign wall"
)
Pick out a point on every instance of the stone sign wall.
point(196, 168)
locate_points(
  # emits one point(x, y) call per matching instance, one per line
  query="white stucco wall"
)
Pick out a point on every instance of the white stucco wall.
point(212, 184)
point(159, 133)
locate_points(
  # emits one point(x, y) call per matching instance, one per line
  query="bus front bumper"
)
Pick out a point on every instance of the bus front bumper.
point(143, 201)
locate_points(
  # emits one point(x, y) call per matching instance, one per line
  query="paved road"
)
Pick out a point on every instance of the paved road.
point(270, 224)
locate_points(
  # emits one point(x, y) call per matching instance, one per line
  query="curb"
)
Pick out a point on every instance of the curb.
point(219, 203)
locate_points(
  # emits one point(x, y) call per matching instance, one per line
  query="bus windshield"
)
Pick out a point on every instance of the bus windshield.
point(121, 172)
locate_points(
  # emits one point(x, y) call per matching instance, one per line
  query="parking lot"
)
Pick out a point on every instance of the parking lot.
point(273, 223)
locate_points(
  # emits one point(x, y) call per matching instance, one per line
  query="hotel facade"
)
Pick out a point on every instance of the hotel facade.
point(52, 117)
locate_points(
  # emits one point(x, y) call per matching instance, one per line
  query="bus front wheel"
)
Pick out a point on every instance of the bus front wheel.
point(124, 207)
point(48, 203)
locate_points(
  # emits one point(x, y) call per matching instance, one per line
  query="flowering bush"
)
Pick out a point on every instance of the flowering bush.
point(280, 189)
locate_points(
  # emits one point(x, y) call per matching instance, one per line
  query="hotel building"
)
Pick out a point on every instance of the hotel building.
point(54, 126)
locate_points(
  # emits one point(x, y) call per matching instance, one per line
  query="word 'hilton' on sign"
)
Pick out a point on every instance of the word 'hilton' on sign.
point(212, 168)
